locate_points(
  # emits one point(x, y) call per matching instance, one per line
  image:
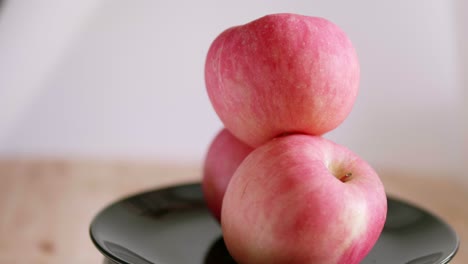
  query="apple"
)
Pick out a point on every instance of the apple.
point(282, 74)
point(222, 159)
point(302, 199)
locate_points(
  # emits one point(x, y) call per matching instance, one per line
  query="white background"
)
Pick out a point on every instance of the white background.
point(123, 79)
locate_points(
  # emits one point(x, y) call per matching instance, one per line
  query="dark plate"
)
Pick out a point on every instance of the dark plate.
point(173, 226)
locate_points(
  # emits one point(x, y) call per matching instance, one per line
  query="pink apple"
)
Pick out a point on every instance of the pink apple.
point(303, 199)
point(282, 74)
point(224, 156)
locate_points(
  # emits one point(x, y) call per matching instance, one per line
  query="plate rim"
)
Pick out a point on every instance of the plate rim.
point(117, 260)
point(104, 252)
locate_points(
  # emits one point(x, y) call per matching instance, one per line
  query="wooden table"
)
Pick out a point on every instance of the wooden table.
point(46, 206)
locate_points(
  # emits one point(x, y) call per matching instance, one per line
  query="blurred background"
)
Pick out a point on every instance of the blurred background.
point(124, 79)
point(115, 80)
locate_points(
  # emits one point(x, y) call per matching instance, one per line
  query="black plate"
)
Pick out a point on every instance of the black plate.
point(173, 226)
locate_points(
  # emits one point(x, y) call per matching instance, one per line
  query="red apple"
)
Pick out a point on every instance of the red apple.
point(303, 199)
point(224, 156)
point(282, 74)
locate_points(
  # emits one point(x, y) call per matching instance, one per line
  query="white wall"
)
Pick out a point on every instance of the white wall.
point(126, 78)
point(34, 37)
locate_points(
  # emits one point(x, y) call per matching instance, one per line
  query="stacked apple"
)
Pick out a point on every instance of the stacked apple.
point(283, 193)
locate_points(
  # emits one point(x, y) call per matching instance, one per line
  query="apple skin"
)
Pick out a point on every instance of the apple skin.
point(290, 202)
point(222, 159)
point(282, 74)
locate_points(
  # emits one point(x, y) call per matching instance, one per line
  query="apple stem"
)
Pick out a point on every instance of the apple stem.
point(346, 176)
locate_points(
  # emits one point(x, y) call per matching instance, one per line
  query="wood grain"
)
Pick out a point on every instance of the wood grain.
point(46, 206)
